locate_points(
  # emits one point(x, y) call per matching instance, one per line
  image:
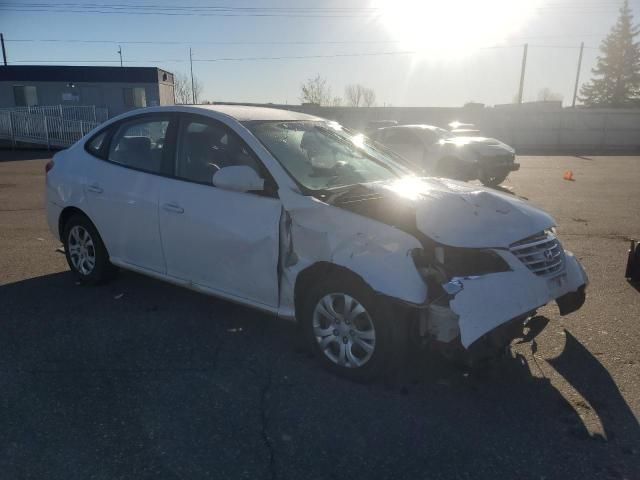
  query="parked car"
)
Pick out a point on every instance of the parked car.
point(436, 151)
point(373, 125)
point(300, 218)
point(459, 129)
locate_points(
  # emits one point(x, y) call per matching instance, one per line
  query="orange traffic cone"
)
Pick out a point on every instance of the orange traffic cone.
point(568, 175)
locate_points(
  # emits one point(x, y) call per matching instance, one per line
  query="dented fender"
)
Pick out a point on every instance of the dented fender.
point(312, 231)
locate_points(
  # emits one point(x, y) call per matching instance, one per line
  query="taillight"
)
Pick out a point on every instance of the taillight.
point(48, 166)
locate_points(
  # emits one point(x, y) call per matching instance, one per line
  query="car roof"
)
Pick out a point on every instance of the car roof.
point(245, 113)
point(413, 127)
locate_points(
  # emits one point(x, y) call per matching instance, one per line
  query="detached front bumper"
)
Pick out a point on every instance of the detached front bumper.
point(486, 302)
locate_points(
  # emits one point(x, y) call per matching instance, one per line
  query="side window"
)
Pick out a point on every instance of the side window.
point(207, 146)
point(399, 136)
point(94, 146)
point(139, 144)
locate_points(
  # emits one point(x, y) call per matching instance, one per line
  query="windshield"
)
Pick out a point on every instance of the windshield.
point(321, 155)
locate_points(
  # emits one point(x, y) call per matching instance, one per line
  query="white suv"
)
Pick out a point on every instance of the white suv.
point(298, 217)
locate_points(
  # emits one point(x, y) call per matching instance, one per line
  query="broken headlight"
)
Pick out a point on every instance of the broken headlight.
point(447, 262)
point(467, 262)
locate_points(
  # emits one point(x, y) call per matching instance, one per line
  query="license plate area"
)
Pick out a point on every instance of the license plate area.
point(557, 282)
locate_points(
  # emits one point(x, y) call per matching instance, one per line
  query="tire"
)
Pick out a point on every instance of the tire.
point(366, 344)
point(493, 180)
point(86, 254)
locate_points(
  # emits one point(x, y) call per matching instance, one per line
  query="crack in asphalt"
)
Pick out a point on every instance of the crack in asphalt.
point(264, 425)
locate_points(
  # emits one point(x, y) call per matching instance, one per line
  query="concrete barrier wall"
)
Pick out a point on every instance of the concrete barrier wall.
point(524, 128)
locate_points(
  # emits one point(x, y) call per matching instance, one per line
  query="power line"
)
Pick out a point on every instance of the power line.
point(285, 57)
point(235, 11)
point(265, 42)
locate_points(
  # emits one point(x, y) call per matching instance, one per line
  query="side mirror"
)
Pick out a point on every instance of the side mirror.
point(239, 178)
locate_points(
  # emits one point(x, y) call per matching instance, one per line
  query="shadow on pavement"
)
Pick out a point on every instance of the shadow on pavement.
point(9, 155)
point(592, 380)
point(140, 379)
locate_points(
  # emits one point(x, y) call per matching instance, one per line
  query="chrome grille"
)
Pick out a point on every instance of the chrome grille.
point(542, 253)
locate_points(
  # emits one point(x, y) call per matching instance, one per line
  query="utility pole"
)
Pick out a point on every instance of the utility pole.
point(524, 65)
point(193, 90)
point(120, 53)
point(575, 89)
point(4, 52)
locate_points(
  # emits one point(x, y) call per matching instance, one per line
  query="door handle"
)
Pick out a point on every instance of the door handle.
point(95, 188)
point(172, 207)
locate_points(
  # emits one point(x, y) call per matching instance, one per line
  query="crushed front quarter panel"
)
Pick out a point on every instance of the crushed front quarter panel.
point(312, 231)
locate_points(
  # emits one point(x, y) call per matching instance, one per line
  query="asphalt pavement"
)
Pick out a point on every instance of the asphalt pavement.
point(140, 379)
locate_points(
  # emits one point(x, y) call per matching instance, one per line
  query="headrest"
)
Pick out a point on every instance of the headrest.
point(136, 143)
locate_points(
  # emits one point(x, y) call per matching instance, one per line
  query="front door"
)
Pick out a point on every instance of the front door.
point(223, 240)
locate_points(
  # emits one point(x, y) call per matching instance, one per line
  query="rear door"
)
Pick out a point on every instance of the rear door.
point(224, 240)
point(122, 189)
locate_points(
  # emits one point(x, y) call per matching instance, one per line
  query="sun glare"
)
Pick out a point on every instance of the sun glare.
point(453, 28)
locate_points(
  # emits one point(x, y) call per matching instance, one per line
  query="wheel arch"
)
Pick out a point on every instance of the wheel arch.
point(69, 212)
point(64, 217)
point(321, 270)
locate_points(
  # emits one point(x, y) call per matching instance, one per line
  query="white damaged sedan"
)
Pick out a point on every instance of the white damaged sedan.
point(296, 216)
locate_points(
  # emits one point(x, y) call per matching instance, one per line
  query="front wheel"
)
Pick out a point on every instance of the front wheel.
point(349, 330)
point(493, 179)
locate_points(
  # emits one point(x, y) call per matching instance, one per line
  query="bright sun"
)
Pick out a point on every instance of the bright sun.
point(452, 28)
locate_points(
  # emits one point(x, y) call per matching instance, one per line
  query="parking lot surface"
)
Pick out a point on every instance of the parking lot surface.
point(140, 379)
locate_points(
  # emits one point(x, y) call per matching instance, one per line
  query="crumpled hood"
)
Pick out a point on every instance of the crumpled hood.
point(462, 215)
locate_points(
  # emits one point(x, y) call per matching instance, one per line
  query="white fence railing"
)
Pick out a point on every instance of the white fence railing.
point(87, 113)
point(53, 131)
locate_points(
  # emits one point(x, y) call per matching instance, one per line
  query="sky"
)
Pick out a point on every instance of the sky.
point(410, 52)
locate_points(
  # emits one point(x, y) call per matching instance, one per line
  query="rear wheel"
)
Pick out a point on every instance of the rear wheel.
point(493, 179)
point(349, 329)
point(86, 254)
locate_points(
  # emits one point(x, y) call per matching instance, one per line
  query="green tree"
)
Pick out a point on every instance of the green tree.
point(616, 81)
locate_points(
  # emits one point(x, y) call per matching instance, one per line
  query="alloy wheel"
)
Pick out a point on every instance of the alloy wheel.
point(82, 251)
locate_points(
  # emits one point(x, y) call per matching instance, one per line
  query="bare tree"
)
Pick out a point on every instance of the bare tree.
point(184, 94)
point(315, 90)
point(368, 97)
point(357, 95)
point(181, 92)
point(547, 95)
point(336, 102)
point(353, 94)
